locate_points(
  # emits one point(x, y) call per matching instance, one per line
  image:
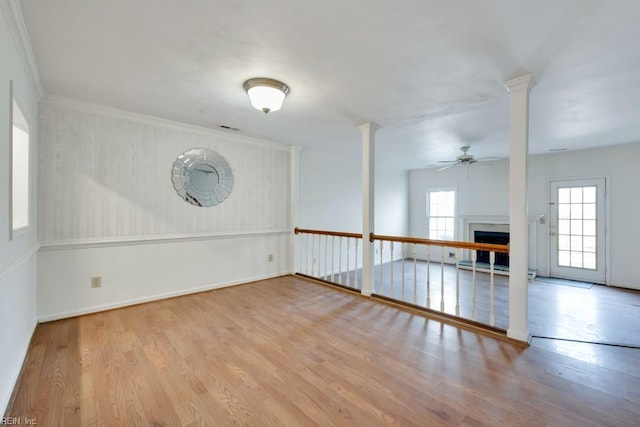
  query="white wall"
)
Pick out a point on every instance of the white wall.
point(617, 164)
point(331, 199)
point(331, 195)
point(17, 256)
point(108, 208)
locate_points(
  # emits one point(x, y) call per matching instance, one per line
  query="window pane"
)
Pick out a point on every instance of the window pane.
point(563, 226)
point(589, 228)
point(576, 195)
point(589, 211)
point(589, 194)
point(589, 261)
point(564, 243)
point(576, 259)
point(564, 211)
point(19, 169)
point(564, 195)
point(576, 243)
point(441, 213)
point(576, 227)
point(589, 244)
point(449, 224)
point(564, 258)
point(576, 211)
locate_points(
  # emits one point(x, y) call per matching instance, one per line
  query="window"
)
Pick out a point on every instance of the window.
point(19, 169)
point(441, 214)
point(577, 227)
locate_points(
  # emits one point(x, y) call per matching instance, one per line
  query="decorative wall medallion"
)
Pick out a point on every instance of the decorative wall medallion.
point(202, 177)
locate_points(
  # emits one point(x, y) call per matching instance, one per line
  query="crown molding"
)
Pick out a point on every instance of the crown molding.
point(15, 22)
point(87, 107)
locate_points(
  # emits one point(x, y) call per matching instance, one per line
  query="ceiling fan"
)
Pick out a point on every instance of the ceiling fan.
point(464, 159)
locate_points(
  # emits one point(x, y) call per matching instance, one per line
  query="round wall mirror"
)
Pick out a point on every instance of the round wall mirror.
point(202, 177)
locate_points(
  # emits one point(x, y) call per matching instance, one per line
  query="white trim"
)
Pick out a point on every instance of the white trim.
point(58, 245)
point(15, 22)
point(125, 303)
point(15, 264)
point(86, 107)
point(10, 160)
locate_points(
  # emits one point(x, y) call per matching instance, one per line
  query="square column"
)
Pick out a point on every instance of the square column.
point(518, 233)
point(368, 205)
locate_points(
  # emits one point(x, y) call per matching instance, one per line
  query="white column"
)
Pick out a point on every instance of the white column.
point(294, 203)
point(518, 234)
point(368, 203)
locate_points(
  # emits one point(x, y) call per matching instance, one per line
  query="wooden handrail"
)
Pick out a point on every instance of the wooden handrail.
point(327, 233)
point(447, 243)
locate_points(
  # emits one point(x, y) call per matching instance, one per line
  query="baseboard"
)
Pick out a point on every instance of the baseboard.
point(135, 301)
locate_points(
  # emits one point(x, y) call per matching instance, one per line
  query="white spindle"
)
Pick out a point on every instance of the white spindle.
point(492, 316)
point(474, 257)
point(348, 245)
point(442, 278)
point(340, 260)
point(403, 270)
point(381, 269)
point(326, 238)
point(355, 266)
point(391, 281)
point(314, 260)
point(306, 254)
point(333, 247)
point(300, 249)
point(415, 276)
point(457, 281)
point(428, 276)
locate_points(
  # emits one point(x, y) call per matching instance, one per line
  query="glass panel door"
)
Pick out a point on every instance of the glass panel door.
point(577, 230)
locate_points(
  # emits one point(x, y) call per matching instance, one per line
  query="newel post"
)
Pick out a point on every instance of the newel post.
point(518, 233)
point(368, 205)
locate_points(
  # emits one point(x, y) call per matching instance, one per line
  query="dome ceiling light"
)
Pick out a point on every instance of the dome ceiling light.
point(266, 94)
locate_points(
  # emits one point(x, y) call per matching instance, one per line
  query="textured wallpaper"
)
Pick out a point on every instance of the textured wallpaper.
point(102, 176)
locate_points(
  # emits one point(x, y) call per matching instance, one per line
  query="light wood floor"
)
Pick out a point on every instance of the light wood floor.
point(290, 352)
point(599, 314)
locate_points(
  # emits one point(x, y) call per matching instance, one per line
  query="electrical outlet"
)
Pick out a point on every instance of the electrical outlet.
point(96, 282)
point(270, 257)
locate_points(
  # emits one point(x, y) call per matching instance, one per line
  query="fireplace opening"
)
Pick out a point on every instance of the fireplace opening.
point(495, 237)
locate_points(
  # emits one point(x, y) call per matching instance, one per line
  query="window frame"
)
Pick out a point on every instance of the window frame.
point(452, 217)
point(23, 124)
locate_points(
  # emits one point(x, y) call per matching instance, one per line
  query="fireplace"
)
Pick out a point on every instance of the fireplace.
point(495, 237)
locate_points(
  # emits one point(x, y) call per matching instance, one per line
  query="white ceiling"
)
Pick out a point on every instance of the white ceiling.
point(430, 72)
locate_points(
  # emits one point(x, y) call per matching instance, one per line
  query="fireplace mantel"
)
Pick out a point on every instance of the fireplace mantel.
point(471, 223)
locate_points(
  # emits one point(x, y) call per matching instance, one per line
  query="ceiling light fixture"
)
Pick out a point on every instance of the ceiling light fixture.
point(266, 94)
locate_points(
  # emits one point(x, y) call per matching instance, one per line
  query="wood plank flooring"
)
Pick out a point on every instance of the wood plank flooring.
point(290, 352)
point(599, 314)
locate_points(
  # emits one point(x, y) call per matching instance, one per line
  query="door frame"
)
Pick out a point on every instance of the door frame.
point(607, 221)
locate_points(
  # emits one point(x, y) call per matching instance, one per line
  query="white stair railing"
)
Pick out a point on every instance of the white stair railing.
point(458, 284)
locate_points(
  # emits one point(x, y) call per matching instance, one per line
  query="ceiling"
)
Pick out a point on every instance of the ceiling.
point(430, 73)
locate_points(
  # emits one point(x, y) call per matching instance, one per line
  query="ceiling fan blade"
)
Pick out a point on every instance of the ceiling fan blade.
point(487, 159)
point(447, 161)
point(447, 167)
